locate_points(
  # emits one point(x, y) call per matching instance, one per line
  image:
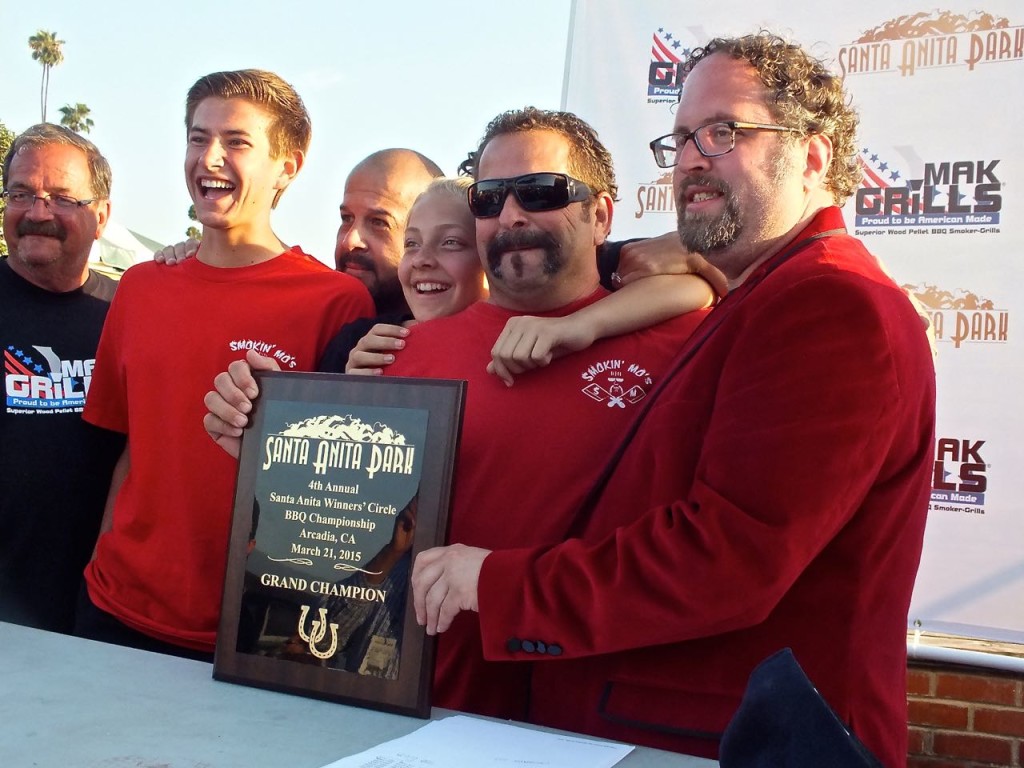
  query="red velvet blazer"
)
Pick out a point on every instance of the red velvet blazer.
point(773, 495)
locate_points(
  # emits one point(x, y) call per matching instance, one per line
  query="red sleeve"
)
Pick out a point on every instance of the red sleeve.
point(806, 413)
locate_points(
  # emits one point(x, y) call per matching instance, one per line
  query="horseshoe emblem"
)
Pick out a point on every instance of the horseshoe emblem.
point(318, 629)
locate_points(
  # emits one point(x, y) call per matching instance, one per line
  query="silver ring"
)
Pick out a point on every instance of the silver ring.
point(616, 278)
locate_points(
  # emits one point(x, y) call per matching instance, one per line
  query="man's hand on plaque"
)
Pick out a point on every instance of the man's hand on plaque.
point(230, 402)
point(444, 582)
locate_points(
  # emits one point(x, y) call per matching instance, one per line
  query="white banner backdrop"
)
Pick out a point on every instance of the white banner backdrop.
point(940, 98)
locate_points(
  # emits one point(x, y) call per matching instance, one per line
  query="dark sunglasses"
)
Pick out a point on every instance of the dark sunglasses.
point(534, 192)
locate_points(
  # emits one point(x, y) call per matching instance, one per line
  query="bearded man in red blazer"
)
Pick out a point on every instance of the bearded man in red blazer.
point(773, 492)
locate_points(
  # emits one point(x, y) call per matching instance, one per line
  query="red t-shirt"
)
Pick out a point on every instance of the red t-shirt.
point(528, 456)
point(160, 569)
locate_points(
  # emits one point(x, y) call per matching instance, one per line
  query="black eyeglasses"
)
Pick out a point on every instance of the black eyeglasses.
point(534, 191)
point(711, 140)
point(22, 201)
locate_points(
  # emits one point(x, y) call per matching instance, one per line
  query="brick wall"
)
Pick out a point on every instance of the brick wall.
point(964, 717)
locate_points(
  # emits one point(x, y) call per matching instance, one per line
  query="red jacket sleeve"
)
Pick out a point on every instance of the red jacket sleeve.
point(808, 413)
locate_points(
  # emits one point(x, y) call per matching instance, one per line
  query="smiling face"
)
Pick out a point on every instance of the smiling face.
point(230, 170)
point(374, 211)
point(50, 246)
point(369, 242)
point(541, 260)
point(734, 208)
point(440, 270)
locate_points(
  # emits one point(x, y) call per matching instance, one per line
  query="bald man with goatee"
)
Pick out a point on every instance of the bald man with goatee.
point(379, 192)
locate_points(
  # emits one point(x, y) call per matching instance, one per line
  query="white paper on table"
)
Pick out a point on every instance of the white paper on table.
point(466, 742)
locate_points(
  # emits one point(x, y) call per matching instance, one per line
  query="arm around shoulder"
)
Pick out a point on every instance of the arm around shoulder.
point(529, 342)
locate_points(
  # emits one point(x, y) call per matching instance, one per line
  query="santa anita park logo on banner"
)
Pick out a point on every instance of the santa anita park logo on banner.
point(900, 192)
point(909, 44)
point(961, 316)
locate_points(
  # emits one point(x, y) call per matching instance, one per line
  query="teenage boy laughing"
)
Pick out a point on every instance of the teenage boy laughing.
point(155, 580)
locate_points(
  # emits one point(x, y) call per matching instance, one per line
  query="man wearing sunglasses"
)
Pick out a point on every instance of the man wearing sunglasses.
point(56, 468)
point(772, 492)
point(378, 195)
point(543, 201)
point(380, 191)
point(529, 454)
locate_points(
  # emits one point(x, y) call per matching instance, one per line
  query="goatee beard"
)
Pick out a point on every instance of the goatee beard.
point(705, 233)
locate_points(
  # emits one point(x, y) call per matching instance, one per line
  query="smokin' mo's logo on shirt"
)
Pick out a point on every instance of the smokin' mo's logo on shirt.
point(615, 383)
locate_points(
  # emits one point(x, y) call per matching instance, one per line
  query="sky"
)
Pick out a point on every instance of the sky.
point(424, 75)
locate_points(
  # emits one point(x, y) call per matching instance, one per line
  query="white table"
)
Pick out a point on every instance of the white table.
point(72, 703)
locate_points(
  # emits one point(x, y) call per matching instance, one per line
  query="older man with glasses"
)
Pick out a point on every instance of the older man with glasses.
point(772, 492)
point(56, 468)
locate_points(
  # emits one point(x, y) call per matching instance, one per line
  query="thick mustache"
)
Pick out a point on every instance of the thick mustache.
point(519, 240)
point(358, 259)
point(52, 228)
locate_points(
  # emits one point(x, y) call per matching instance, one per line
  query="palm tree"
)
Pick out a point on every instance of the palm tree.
point(6, 139)
point(76, 117)
point(193, 232)
point(46, 49)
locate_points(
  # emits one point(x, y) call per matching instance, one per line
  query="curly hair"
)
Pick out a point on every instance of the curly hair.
point(803, 95)
point(45, 134)
point(589, 160)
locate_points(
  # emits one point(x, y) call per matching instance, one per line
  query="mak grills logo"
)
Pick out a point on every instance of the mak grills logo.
point(900, 193)
point(665, 74)
point(37, 380)
point(962, 317)
point(937, 40)
point(959, 477)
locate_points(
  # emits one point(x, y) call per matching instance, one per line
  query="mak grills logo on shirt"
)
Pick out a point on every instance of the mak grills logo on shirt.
point(959, 479)
point(615, 383)
point(900, 193)
point(938, 39)
point(962, 317)
point(37, 380)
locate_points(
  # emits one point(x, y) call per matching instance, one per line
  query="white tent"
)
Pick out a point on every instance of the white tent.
point(119, 248)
